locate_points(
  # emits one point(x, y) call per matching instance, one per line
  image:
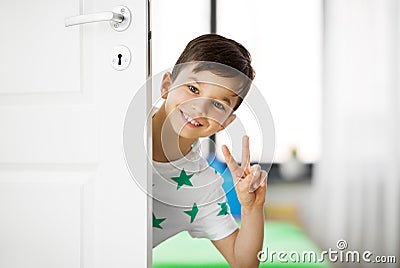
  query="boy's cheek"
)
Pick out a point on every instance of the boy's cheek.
point(177, 97)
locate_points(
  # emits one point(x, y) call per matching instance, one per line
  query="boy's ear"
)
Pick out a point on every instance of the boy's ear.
point(228, 121)
point(165, 85)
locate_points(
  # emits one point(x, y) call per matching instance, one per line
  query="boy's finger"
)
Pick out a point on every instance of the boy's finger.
point(263, 176)
point(262, 190)
point(259, 182)
point(230, 161)
point(248, 179)
point(245, 153)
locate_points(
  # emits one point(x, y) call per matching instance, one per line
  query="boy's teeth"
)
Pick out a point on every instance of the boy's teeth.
point(191, 120)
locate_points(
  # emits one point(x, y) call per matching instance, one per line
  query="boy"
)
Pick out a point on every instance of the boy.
point(207, 84)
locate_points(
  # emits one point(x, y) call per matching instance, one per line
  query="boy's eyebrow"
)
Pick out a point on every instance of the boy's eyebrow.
point(227, 100)
point(192, 79)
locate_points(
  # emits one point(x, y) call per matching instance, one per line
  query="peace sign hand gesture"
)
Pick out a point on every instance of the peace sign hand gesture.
point(250, 182)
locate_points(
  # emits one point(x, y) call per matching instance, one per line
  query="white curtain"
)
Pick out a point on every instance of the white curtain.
point(357, 182)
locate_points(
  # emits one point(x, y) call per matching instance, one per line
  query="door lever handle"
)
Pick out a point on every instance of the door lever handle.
point(95, 17)
point(119, 18)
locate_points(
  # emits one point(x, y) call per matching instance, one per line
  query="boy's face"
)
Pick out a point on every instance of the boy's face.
point(199, 104)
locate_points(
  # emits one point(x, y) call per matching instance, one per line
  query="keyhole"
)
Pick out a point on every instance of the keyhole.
point(119, 59)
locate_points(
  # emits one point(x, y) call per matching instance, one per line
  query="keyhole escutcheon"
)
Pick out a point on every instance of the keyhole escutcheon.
point(119, 59)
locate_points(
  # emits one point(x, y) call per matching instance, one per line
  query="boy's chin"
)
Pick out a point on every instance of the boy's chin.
point(189, 133)
point(184, 134)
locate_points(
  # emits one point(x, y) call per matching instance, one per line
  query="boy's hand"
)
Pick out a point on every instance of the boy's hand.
point(250, 182)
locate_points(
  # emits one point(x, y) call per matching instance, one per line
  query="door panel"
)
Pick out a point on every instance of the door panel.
point(40, 234)
point(35, 45)
point(66, 196)
point(49, 135)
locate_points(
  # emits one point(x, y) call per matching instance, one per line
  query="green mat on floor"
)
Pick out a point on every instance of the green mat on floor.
point(184, 251)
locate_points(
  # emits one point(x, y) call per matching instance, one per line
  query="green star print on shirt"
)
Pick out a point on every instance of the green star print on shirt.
point(183, 179)
point(192, 213)
point(224, 209)
point(157, 222)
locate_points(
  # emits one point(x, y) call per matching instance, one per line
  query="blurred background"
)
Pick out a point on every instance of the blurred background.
point(329, 73)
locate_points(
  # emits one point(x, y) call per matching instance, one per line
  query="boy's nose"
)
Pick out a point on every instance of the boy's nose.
point(201, 106)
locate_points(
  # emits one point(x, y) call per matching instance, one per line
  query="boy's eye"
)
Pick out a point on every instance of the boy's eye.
point(219, 105)
point(193, 89)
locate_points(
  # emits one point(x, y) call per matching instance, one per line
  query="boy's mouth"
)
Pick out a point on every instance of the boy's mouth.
point(190, 121)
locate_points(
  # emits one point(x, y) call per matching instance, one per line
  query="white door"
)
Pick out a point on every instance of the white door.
point(66, 196)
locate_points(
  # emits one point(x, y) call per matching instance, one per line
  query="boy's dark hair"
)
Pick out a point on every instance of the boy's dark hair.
point(216, 48)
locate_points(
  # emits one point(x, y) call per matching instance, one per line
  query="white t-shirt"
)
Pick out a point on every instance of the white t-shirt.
point(188, 195)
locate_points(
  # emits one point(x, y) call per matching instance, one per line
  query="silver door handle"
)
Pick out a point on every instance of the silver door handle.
point(102, 16)
point(119, 18)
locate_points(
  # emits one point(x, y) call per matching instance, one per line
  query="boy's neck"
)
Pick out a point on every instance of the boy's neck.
point(160, 151)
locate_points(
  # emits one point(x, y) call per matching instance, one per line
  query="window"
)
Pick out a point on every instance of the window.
point(285, 40)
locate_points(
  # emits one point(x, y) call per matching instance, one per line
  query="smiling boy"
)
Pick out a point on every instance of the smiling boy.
point(206, 86)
